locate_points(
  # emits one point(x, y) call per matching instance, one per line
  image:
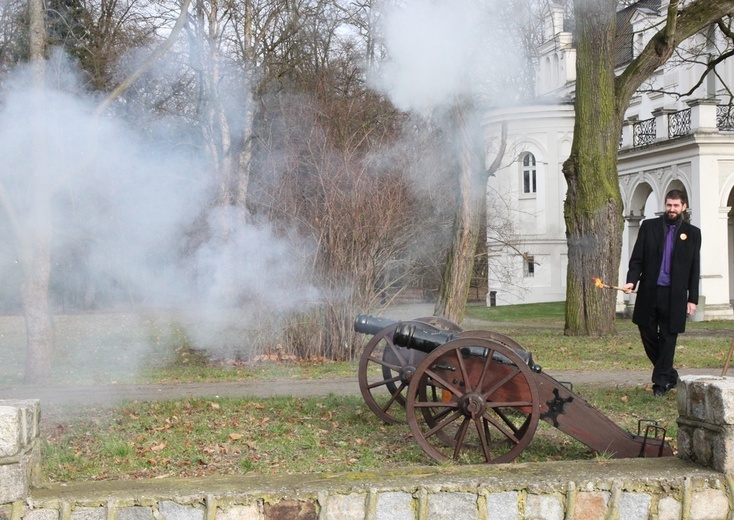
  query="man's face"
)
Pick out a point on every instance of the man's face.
point(674, 208)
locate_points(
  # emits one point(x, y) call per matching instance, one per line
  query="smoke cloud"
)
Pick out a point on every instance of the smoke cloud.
point(441, 50)
point(122, 209)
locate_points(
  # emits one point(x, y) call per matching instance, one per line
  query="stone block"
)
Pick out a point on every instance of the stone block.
point(722, 452)
point(10, 431)
point(173, 511)
point(591, 505)
point(634, 506)
point(709, 504)
point(543, 507)
point(503, 505)
point(344, 507)
point(703, 446)
point(669, 509)
point(31, 417)
point(290, 510)
point(685, 442)
point(709, 399)
point(89, 513)
point(395, 505)
point(13, 482)
point(451, 506)
point(41, 514)
point(134, 513)
point(249, 512)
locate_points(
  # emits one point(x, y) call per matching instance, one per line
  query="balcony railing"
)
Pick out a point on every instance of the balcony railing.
point(643, 132)
point(725, 117)
point(679, 123)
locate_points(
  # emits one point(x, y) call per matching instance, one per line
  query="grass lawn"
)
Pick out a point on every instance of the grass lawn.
point(199, 437)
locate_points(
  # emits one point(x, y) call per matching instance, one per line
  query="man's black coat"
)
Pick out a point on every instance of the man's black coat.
point(685, 270)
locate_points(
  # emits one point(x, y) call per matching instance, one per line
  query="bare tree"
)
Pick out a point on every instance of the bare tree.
point(98, 33)
point(34, 242)
point(471, 205)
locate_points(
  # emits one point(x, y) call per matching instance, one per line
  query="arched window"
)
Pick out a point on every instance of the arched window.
point(529, 175)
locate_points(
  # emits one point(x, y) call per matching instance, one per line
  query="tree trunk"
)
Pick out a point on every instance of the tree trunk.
point(34, 243)
point(593, 207)
point(245, 154)
point(454, 289)
point(36, 308)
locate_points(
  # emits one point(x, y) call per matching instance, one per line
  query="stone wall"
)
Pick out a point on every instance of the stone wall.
point(697, 485)
point(629, 489)
point(20, 449)
point(706, 421)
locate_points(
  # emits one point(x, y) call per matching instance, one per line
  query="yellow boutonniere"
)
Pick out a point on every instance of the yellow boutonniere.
point(683, 236)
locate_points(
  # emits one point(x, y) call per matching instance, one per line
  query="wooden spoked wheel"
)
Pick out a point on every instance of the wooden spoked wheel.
point(385, 366)
point(489, 406)
point(437, 394)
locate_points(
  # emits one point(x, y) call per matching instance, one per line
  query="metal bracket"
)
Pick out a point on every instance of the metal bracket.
point(657, 429)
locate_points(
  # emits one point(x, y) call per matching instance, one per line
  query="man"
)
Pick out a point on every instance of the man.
point(666, 262)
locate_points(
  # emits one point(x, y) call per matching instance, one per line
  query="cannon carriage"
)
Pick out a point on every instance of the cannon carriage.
point(478, 396)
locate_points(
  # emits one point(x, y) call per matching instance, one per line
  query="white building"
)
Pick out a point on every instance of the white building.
point(667, 142)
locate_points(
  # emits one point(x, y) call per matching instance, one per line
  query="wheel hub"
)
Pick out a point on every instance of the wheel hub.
point(406, 373)
point(472, 404)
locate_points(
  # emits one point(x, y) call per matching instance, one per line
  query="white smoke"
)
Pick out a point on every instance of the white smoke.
point(441, 50)
point(129, 205)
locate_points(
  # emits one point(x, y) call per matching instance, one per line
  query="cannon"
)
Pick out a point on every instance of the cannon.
point(478, 396)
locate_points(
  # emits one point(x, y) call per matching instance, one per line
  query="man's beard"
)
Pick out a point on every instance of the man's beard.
point(672, 217)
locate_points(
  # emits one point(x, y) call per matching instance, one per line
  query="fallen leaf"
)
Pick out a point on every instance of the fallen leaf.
point(158, 447)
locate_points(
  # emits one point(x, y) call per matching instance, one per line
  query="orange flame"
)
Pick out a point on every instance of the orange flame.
point(598, 283)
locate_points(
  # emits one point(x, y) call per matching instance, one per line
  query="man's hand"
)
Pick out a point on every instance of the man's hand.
point(691, 308)
point(628, 287)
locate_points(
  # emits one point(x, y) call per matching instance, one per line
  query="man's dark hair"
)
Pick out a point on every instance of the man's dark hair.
point(677, 195)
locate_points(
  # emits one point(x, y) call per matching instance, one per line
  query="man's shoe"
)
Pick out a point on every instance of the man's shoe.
point(659, 391)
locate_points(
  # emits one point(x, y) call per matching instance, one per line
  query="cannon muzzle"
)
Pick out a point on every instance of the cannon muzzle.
point(367, 324)
point(426, 340)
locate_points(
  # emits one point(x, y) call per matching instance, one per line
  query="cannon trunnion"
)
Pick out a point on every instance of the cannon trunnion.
point(477, 396)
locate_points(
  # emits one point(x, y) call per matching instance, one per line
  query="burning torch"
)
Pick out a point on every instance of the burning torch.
point(602, 285)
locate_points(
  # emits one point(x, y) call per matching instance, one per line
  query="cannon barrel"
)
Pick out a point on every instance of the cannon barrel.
point(413, 336)
point(406, 334)
point(368, 324)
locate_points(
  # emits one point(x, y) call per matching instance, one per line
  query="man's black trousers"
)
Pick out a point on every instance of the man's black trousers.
point(659, 342)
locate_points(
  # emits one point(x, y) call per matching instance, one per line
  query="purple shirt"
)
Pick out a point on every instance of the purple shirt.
point(664, 276)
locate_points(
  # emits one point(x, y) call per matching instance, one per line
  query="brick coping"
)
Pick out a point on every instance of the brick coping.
point(668, 472)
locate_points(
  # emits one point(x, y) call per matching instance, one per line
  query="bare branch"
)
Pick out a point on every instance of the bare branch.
point(148, 63)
